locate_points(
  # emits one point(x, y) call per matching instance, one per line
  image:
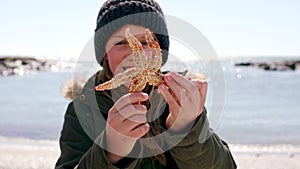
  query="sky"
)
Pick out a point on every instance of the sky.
point(60, 28)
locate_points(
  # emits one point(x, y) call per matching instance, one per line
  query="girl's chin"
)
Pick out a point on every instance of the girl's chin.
point(127, 84)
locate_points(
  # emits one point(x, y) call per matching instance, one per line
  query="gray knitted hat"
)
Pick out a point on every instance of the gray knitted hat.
point(116, 13)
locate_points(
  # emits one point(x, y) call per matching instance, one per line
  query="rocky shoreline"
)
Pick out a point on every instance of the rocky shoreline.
point(290, 65)
point(28, 65)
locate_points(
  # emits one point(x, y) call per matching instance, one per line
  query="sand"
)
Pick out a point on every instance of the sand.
point(266, 156)
point(27, 154)
point(32, 154)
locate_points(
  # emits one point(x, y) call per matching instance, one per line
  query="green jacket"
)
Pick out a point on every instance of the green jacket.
point(84, 123)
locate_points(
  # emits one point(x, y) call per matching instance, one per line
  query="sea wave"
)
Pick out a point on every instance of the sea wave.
point(265, 148)
point(25, 142)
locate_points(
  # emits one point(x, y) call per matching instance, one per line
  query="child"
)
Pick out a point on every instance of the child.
point(149, 129)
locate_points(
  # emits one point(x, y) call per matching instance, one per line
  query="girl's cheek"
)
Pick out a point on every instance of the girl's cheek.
point(115, 59)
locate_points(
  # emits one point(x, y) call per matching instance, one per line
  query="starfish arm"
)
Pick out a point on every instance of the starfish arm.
point(155, 60)
point(137, 84)
point(137, 50)
point(155, 79)
point(118, 80)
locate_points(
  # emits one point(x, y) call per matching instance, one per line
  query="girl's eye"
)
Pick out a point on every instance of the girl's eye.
point(123, 42)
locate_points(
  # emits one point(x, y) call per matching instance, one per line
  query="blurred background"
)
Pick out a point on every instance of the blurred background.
point(257, 43)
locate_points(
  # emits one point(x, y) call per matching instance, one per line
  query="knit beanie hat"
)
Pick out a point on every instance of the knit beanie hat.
point(116, 13)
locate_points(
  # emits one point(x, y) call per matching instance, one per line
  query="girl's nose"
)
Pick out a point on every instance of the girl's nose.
point(130, 56)
point(128, 50)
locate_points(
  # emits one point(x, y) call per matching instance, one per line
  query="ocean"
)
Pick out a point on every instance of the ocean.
point(260, 107)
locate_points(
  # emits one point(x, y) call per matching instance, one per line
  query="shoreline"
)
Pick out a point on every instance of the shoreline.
point(240, 148)
point(42, 154)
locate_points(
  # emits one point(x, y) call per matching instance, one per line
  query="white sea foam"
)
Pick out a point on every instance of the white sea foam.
point(25, 142)
point(239, 148)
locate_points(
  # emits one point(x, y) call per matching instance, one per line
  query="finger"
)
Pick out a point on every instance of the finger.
point(181, 81)
point(189, 87)
point(127, 99)
point(131, 110)
point(127, 125)
point(139, 131)
point(115, 120)
point(173, 86)
point(169, 97)
point(198, 76)
point(138, 119)
point(202, 87)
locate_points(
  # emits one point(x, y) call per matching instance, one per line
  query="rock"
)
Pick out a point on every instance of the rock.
point(244, 64)
point(26, 65)
point(274, 66)
point(297, 67)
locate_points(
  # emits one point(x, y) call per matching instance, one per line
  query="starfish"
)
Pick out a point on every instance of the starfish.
point(146, 70)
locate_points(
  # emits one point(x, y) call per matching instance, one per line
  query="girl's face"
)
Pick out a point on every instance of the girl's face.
point(118, 52)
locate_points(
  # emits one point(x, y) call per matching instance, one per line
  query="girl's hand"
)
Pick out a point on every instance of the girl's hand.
point(186, 100)
point(126, 122)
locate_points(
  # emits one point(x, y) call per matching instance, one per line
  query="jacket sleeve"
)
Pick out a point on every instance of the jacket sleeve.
point(79, 151)
point(202, 148)
point(96, 158)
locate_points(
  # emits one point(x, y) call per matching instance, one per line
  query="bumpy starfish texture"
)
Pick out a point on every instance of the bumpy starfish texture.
point(146, 70)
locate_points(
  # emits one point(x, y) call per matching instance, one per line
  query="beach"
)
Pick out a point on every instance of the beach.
point(42, 154)
point(17, 153)
point(266, 161)
point(266, 156)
